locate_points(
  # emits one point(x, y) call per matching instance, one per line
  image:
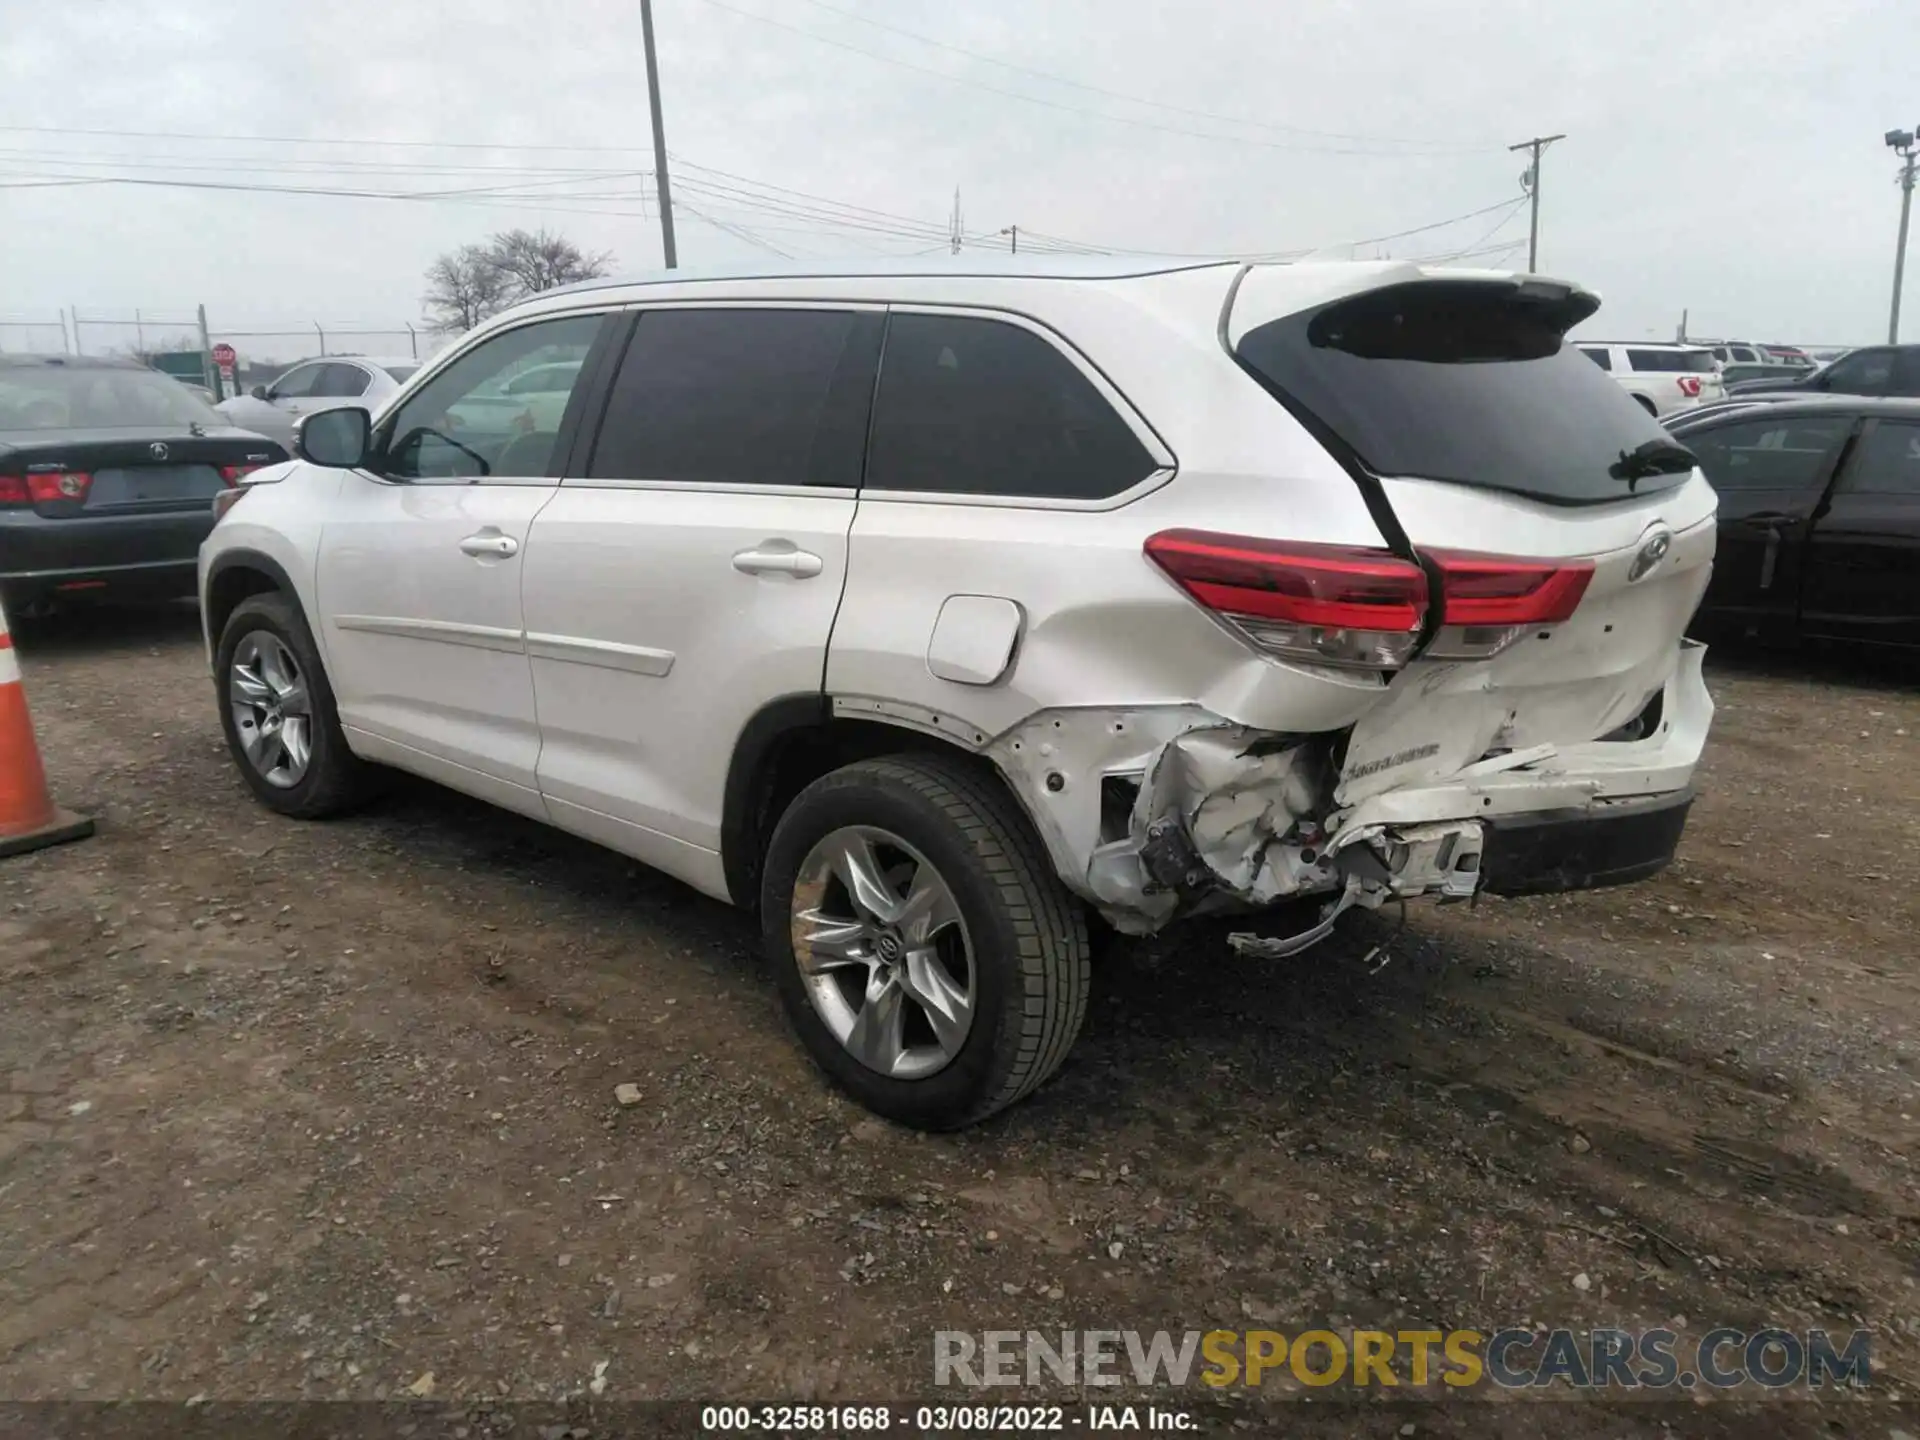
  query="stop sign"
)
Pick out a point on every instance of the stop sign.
point(223, 355)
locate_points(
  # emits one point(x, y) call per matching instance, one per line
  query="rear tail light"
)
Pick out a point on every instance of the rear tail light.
point(1489, 601)
point(1315, 604)
point(233, 474)
point(1365, 609)
point(44, 487)
point(1690, 386)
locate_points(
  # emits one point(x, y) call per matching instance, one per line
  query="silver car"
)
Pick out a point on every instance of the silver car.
point(317, 385)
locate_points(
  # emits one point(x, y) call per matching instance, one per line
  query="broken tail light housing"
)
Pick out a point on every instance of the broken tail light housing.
point(1487, 602)
point(45, 487)
point(1690, 386)
point(1344, 606)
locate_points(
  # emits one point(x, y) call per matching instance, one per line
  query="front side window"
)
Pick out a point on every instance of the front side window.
point(298, 383)
point(1770, 454)
point(1865, 372)
point(740, 397)
point(1887, 462)
point(969, 406)
point(462, 425)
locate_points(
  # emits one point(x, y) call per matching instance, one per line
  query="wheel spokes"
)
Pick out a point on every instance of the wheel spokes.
point(877, 1039)
point(248, 686)
point(859, 870)
point(929, 907)
point(825, 942)
point(947, 1007)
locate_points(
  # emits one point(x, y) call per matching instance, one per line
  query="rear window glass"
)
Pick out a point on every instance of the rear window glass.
point(1602, 358)
point(1682, 362)
point(1464, 381)
point(85, 397)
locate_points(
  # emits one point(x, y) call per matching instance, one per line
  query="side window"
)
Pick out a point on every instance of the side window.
point(1602, 358)
point(1866, 372)
point(1906, 372)
point(298, 383)
point(968, 406)
point(1887, 462)
point(462, 425)
point(341, 382)
point(741, 397)
point(1768, 454)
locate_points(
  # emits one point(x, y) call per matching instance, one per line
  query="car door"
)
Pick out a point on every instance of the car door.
point(1864, 555)
point(1770, 473)
point(420, 570)
point(689, 570)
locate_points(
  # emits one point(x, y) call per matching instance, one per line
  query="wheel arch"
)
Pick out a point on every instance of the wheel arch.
point(234, 576)
point(787, 745)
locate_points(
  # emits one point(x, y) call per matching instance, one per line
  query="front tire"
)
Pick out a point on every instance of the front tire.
point(930, 959)
point(277, 711)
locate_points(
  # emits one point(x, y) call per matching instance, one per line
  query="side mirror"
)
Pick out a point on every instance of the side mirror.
point(335, 438)
point(259, 392)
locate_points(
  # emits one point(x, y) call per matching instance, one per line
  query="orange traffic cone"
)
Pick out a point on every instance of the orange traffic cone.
point(29, 819)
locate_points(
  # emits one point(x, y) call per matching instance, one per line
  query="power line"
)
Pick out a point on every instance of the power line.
point(317, 140)
point(1050, 104)
point(1141, 100)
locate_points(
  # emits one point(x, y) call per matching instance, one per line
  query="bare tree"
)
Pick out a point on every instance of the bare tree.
point(536, 260)
point(464, 287)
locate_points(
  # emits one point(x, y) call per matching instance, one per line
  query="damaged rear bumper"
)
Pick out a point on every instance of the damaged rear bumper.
point(1159, 812)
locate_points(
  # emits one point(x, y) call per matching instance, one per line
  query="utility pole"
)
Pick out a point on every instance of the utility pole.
point(954, 228)
point(1012, 232)
point(1537, 147)
point(209, 376)
point(1901, 142)
point(659, 139)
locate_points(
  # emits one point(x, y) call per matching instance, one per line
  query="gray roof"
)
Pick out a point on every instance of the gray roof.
point(16, 361)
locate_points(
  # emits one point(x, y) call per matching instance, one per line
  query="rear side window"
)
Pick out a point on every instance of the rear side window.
point(1464, 381)
point(968, 406)
point(1887, 462)
point(1681, 362)
point(741, 397)
point(1865, 372)
point(340, 382)
point(1770, 454)
point(1602, 358)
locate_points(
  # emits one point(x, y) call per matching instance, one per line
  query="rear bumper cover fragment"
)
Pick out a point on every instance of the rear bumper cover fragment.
point(1613, 844)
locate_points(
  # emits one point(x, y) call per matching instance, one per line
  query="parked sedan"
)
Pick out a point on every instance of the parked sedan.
point(107, 476)
point(1819, 519)
point(317, 385)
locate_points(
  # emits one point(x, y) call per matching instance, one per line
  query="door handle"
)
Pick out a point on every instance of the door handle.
point(484, 544)
point(801, 564)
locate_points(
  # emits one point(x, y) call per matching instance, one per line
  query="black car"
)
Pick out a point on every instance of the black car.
point(107, 476)
point(1877, 370)
point(1819, 519)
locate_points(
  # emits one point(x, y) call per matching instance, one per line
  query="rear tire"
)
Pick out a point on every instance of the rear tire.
point(1013, 940)
point(279, 675)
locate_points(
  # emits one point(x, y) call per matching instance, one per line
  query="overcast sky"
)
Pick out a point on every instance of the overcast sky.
point(1722, 156)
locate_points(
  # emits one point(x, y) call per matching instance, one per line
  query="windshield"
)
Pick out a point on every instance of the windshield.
point(1462, 381)
point(58, 397)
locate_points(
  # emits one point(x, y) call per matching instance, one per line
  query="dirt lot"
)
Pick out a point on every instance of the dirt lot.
point(296, 1110)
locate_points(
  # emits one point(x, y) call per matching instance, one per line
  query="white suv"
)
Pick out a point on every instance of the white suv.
point(936, 611)
point(1663, 378)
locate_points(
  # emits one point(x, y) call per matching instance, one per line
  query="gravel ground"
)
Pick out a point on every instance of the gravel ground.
point(327, 1110)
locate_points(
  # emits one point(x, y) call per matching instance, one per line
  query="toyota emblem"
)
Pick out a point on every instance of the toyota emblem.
point(157, 450)
point(1653, 550)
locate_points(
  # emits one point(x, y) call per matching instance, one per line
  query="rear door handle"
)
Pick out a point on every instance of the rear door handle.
point(485, 544)
point(801, 564)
